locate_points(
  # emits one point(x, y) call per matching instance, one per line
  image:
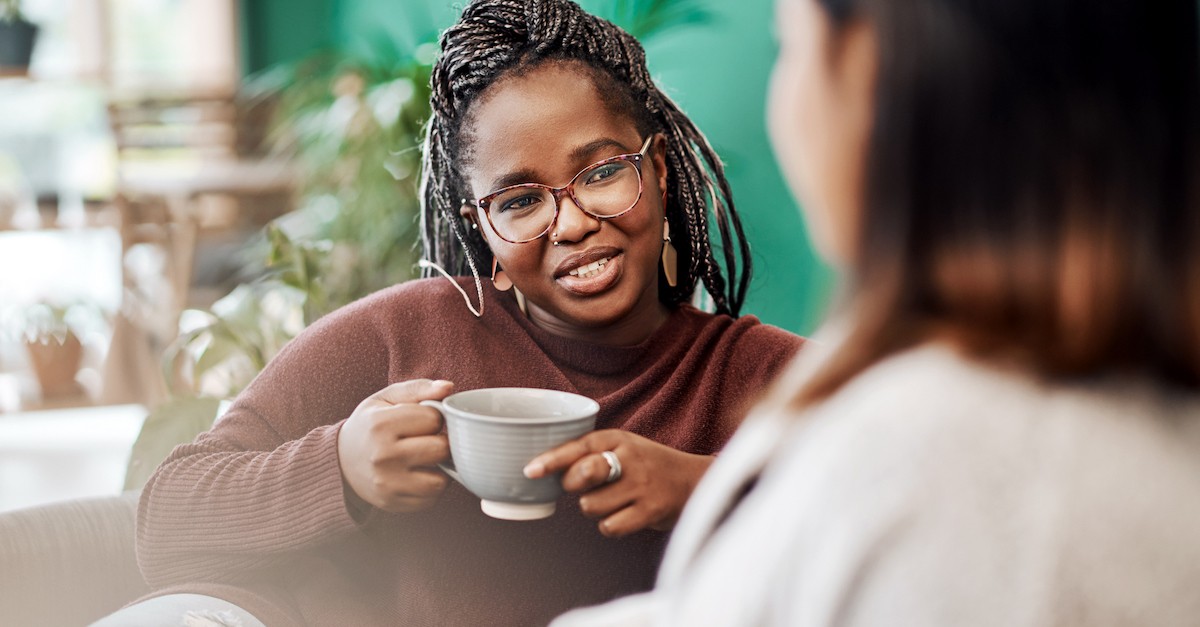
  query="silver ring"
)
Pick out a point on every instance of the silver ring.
point(614, 466)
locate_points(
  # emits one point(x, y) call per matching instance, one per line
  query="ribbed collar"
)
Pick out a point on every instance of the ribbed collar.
point(601, 360)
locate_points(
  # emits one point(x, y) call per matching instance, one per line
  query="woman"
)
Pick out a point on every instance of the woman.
point(1008, 432)
point(555, 165)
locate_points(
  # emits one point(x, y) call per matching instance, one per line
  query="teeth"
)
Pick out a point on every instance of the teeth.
point(589, 270)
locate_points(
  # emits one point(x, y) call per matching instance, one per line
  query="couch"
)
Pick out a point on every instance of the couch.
point(70, 563)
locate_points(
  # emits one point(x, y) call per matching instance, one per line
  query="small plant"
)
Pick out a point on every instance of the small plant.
point(52, 333)
point(50, 322)
point(10, 11)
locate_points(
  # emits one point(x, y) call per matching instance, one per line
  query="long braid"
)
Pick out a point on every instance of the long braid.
point(494, 37)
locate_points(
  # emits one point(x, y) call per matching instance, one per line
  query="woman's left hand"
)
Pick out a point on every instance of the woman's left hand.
point(655, 483)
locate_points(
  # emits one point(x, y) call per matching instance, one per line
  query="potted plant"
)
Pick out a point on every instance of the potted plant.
point(17, 37)
point(51, 332)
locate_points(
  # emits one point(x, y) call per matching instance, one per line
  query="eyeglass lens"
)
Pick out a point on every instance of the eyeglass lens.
point(603, 191)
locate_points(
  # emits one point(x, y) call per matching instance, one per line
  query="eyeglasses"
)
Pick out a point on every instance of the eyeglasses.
point(604, 190)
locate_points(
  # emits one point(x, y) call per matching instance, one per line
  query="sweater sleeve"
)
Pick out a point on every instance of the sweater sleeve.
point(265, 482)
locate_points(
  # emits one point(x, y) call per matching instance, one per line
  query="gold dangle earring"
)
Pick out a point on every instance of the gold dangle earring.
point(670, 259)
point(499, 277)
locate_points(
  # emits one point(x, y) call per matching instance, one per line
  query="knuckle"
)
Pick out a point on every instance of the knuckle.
point(376, 424)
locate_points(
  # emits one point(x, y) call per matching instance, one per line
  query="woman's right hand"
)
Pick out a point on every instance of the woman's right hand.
point(389, 446)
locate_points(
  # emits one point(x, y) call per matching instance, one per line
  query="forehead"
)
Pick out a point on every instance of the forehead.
point(533, 122)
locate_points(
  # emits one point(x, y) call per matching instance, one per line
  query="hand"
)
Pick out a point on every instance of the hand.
point(388, 447)
point(656, 480)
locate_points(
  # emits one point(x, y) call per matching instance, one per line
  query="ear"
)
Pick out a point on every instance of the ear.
point(466, 209)
point(469, 214)
point(658, 156)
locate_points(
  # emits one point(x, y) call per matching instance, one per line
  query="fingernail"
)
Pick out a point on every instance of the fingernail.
point(442, 383)
point(534, 469)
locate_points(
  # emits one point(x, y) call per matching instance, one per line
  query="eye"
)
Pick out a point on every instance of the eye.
point(603, 173)
point(524, 201)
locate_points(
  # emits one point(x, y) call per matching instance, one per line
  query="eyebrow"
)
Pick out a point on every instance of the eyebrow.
point(579, 154)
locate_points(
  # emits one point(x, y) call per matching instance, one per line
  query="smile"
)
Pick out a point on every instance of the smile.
point(590, 270)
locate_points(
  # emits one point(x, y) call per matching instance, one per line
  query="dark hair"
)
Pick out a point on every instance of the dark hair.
point(495, 38)
point(1031, 187)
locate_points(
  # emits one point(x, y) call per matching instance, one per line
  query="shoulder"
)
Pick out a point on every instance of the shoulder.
point(930, 449)
point(940, 436)
point(414, 296)
point(927, 404)
point(408, 301)
point(745, 335)
point(403, 314)
point(934, 395)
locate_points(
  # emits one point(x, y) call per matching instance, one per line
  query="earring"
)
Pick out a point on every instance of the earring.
point(670, 259)
point(499, 278)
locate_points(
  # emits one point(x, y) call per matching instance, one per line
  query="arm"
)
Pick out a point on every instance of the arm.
point(212, 510)
point(271, 478)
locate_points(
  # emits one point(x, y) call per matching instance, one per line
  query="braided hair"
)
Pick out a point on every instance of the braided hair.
point(496, 38)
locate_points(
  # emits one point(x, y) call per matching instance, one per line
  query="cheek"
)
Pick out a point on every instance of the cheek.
point(800, 128)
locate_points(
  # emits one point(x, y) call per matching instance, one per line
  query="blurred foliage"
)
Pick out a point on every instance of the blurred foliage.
point(10, 10)
point(645, 19)
point(353, 124)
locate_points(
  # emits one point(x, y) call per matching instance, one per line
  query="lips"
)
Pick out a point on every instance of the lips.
point(586, 258)
point(590, 272)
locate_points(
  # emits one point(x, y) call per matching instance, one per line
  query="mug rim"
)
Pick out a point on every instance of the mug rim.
point(591, 407)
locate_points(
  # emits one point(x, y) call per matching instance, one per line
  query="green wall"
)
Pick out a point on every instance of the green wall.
point(277, 31)
point(717, 72)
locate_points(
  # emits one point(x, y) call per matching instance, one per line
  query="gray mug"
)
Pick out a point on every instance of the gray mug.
point(495, 432)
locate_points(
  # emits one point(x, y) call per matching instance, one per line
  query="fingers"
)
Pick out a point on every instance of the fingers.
point(588, 472)
point(414, 391)
point(405, 421)
point(626, 521)
point(411, 491)
point(560, 458)
point(394, 412)
point(605, 501)
point(426, 450)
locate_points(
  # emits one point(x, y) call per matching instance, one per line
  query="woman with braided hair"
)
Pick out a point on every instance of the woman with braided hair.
point(567, 199)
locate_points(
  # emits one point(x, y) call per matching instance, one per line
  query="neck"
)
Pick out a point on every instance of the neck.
point(629, 330)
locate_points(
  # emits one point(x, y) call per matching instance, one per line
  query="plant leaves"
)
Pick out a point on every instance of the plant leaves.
point(175, 422)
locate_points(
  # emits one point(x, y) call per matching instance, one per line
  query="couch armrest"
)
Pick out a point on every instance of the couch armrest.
point(68, 563)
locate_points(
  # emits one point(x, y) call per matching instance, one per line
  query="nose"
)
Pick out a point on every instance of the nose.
point(573, 224)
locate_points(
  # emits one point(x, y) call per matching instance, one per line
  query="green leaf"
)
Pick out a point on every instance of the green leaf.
point(175, 422)
point(220, 349)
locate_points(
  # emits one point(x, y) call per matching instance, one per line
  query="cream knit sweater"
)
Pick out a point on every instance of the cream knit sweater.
point(941, 492)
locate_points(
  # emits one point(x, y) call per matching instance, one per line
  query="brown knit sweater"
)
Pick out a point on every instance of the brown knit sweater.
point(255, 510)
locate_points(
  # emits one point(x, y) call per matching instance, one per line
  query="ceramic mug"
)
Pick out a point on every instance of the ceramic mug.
point(495, 432)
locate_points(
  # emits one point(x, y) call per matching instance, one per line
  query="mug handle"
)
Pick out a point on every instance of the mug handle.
point(446, 467)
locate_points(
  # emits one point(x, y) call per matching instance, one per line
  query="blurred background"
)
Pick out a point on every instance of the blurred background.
point(186, 184)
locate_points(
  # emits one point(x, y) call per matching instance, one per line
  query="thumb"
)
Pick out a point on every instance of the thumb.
point(414, 391)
